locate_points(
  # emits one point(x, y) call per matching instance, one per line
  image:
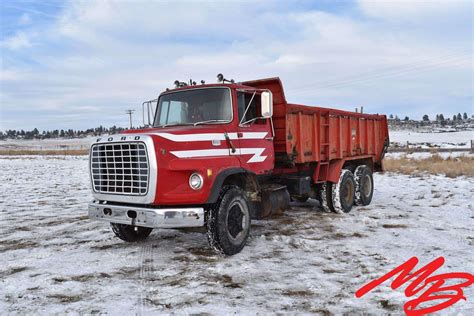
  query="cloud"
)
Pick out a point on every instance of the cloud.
point(18, 41)
point(24, 19)
point(403, 10)
point(97, 59)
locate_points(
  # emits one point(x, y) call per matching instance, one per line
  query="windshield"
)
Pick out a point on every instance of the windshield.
point(193, 107)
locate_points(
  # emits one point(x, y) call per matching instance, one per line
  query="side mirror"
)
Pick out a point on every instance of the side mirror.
point(267, 104)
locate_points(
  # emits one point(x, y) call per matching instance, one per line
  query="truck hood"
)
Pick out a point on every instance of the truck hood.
point(182, 142)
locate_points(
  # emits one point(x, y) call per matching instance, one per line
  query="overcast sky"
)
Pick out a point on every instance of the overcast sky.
point(79, 64)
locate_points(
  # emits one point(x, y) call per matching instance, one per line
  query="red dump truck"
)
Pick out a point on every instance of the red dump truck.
point(219, 155)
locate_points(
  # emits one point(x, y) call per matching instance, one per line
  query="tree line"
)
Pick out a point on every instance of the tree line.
point(440, 118)
point(59, 133)
point(70, 133)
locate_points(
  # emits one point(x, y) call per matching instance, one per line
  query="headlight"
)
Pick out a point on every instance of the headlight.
point(196, 181)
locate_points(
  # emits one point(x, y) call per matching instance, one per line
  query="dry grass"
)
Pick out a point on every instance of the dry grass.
point(59, 152)
point(451, 167)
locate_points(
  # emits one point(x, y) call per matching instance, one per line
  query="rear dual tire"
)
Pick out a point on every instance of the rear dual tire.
point(343, 192)
point(351, 189)
point(364, 181)
point(325, 196)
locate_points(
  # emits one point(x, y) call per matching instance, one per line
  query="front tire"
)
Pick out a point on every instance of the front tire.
point(228, 221)
point(130, 233)
point(343, 192)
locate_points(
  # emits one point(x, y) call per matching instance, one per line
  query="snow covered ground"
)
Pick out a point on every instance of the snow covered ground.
point(426, 155)
point(47, 144)
point(427, 140)
point(54, 260)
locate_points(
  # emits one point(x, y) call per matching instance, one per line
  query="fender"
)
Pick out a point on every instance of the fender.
point(217, 185)
point(335, 166)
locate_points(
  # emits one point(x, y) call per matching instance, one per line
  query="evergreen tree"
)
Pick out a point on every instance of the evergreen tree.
point(459, 117)
point(426, 118)
point(464, 116)
point(443, 121)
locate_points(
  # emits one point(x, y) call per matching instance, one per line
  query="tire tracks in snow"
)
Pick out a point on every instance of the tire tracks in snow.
point(146, 273)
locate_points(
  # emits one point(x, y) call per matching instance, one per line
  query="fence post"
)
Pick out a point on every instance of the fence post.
point(472, 146)
point(408, 147)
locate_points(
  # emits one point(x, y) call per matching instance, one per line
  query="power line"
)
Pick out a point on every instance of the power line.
point(453, 53)
point(376, 75)
point(35, 11)
point(130, 112)
point(375, 78)
point(419, 66)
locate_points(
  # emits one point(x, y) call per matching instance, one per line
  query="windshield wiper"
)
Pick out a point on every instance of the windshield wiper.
point(209, 121)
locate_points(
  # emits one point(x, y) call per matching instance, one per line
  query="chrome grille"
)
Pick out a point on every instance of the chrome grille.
point(120, 168)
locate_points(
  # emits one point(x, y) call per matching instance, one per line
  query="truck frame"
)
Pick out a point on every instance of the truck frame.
point(219, 155)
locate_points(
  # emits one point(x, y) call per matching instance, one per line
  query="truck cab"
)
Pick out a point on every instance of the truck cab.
point(205, 158)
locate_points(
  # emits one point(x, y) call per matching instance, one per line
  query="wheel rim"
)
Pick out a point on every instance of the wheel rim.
point(237, 222)
point(348, 193)
point(367, 186)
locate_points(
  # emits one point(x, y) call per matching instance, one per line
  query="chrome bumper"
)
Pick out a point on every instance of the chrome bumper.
point(147, 217)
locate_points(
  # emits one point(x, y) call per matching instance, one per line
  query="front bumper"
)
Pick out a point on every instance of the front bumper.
point(147, 217)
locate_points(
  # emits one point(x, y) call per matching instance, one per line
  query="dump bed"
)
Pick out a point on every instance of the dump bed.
point(306, 134)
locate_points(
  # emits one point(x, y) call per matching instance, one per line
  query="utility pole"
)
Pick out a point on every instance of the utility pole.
point(130, 112)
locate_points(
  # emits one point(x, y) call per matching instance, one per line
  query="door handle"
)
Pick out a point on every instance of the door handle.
point(227, 138)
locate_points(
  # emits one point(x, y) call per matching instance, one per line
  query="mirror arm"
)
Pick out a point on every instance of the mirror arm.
point(273, 130)
point(252, 120)
point(143, 114)
point(148, 112)
point(150, 115)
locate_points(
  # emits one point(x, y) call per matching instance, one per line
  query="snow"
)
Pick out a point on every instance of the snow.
point(425, 155)
point(425, 140)
point(55, 260)
point(48, 144)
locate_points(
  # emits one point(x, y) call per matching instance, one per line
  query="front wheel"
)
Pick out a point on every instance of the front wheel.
point(228, 221)
point(130, 233)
